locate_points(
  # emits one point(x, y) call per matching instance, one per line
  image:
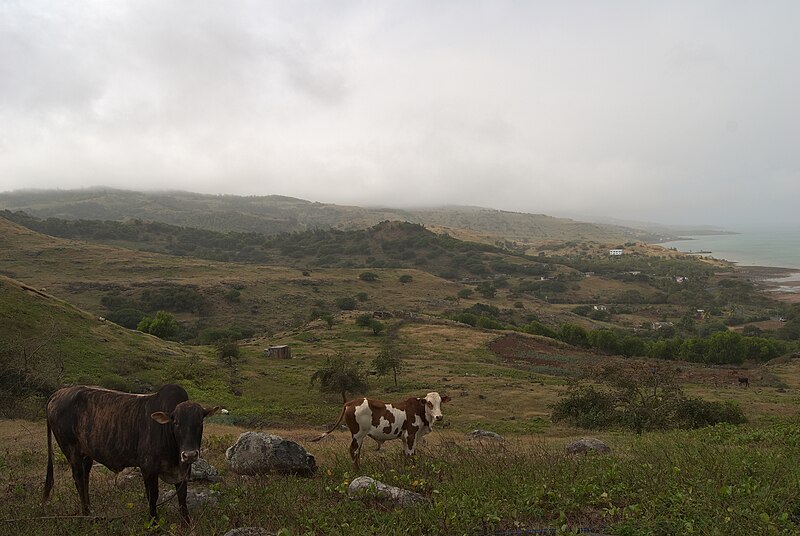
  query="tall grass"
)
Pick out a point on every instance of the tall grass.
point(721, 480)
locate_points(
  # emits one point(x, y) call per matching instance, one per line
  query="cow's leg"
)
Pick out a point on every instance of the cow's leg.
point(87, 467)
point(76, 464)
point(379, 445)
point(409, 443)
point(151, 487)
point(180, 489)
point(355, 449)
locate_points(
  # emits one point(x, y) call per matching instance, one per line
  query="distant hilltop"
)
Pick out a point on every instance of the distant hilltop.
point(275, 214)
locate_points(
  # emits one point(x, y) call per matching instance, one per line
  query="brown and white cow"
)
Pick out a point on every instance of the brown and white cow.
point(408, 420)
point(159, 433)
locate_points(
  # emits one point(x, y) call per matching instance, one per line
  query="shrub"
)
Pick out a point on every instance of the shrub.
point(163, 326)
point(574, 335)
point(127, 317)
point(466, 318)
point(537, 328)
point(405, 278)
point(489, 323)
point(696, 413)
point(346, 303)
point(584, 406)
point(368, 276)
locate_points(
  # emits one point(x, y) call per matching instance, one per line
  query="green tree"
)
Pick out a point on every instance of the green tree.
point(405, 278)
point(631, 346)
point(367, 321)
point(574, 335)
point(340, 375)
point(227, 351)
point(389, 359)
point(163, 325)
point(465, 293)
point(486, 289)
point(604, 340)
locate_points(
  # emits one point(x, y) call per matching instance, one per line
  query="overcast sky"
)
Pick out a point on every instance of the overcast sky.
point(675, 112)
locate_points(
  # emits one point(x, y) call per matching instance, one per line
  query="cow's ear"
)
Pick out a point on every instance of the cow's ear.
point(208, 412)
point(445, 398)
point(160, 417)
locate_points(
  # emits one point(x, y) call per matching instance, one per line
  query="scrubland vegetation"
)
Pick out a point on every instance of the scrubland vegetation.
point(644, 350)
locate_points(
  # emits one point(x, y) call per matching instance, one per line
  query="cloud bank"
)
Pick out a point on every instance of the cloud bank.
point(680, 112)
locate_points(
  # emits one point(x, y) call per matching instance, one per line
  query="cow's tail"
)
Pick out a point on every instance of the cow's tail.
point(48, 481)
point(344, 409)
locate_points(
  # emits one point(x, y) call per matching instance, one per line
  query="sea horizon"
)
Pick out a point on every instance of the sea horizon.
point(777, 247)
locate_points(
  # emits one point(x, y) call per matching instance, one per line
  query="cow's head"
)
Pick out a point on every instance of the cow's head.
point(186, 421)
point(433, 406)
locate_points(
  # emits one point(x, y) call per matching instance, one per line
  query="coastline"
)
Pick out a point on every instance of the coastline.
point(783, 284)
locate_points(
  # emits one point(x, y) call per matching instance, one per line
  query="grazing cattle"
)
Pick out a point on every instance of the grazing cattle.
point(160, 433)
point(409, 420)
point(743, 380)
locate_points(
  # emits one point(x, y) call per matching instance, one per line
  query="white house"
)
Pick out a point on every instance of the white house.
point(614, 252)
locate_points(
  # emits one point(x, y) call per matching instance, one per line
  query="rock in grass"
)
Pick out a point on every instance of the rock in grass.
point(257, 453)
point(248, 531)
point(365, 487)
point(484, 434)
point(585, 444)
point(204, 471)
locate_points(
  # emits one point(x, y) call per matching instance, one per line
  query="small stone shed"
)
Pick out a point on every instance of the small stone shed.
point(279, 352)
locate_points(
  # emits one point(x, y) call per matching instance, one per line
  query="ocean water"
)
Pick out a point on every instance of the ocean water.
point(778, 247)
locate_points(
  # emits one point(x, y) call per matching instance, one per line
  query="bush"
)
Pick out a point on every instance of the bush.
point(574, 335)
point(127, 317)
point(537, 328)
point(346, 304)
point(405, 278)
point(466, 318)
point(697, 413)
point(585, 407)
point(489, 323)
point(163, 326)
point(368, 276)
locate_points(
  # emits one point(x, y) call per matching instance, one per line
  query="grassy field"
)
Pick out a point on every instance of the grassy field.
point(720, 480)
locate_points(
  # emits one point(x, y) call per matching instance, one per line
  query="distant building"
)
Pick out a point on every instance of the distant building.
point(614, 252)
point(279, 352)
point(662, 325)
point(600, 308)
point(681, 279)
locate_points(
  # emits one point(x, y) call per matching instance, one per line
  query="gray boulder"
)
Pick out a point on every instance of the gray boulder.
point(585, 444)
point(484, 434)
point(248, 531)
point(204, 471)
point(258, 453)
point(365, 487)
point(194, 498)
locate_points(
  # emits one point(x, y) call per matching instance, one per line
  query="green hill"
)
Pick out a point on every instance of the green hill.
point(275, 214)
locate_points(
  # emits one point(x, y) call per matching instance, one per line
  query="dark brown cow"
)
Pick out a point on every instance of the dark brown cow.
point(159, 433)
point(745, 381)
point(409, 420)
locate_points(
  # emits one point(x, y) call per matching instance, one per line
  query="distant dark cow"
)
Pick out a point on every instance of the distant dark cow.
point(159, 433)
point(743, 380)
point(409, 420)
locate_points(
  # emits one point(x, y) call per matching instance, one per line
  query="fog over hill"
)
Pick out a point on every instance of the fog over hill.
point(276, 214)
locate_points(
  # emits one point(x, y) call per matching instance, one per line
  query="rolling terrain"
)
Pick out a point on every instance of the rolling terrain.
point(276, 214)
point(58, 292)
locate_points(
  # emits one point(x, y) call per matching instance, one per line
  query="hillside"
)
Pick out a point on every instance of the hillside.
point(276, 214)
point(46, 342)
